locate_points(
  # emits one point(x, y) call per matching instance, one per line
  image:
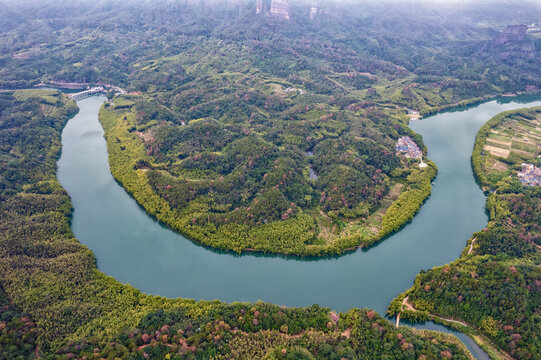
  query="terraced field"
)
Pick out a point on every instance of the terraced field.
point(517, 134)
point(514, 140)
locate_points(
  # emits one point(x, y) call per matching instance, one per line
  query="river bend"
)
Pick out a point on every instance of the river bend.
point(133, 248)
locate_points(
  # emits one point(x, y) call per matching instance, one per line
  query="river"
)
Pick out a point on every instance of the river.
point(134, 248)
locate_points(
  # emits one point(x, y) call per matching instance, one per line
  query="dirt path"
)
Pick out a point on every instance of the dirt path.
point(492, 168)
point(471, 246)
point(409, 306)
point(454, 321)
point(323, 214)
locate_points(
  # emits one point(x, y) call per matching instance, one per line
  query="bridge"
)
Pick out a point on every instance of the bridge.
point(84, 94)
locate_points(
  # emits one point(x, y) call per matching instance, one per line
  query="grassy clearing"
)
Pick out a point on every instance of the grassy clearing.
point(51, 97)
point(524, 146)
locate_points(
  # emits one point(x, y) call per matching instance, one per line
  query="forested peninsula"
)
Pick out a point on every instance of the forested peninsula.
point(282, 212)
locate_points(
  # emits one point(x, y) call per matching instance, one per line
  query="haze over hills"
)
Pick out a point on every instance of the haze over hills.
point(267, 125)
point(453, 30)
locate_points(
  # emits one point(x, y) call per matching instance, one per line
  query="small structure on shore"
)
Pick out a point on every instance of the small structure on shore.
point(413, 114)
point(422, 164)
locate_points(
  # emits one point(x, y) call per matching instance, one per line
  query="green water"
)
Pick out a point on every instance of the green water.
point(132, 247)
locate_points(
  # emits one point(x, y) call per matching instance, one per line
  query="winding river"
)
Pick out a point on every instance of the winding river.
point(134, 248)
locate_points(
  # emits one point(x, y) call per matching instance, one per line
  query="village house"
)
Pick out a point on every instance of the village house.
point(406, 145)
point(530, 175)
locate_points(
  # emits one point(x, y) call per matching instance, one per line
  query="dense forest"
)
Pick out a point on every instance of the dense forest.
point(274, 133)
point(55, 304)
point(495, 285)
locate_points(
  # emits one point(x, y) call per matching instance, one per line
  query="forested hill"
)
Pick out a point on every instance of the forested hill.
point(55, 304)
point(271, 126)
point(91, 41)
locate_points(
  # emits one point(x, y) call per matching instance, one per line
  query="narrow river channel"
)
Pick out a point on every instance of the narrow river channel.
point(134, 248)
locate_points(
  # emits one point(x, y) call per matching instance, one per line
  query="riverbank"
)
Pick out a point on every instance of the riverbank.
point(472, 102)
point(503, 259)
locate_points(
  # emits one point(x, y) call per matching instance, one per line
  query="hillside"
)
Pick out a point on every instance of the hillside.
point(269, 132)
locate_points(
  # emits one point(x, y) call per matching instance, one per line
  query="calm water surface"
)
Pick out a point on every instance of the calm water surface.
point(132, 247)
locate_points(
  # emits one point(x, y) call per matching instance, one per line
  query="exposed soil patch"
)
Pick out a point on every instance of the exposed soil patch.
point(471, 246)
point(347, 333)
point(495, 151)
